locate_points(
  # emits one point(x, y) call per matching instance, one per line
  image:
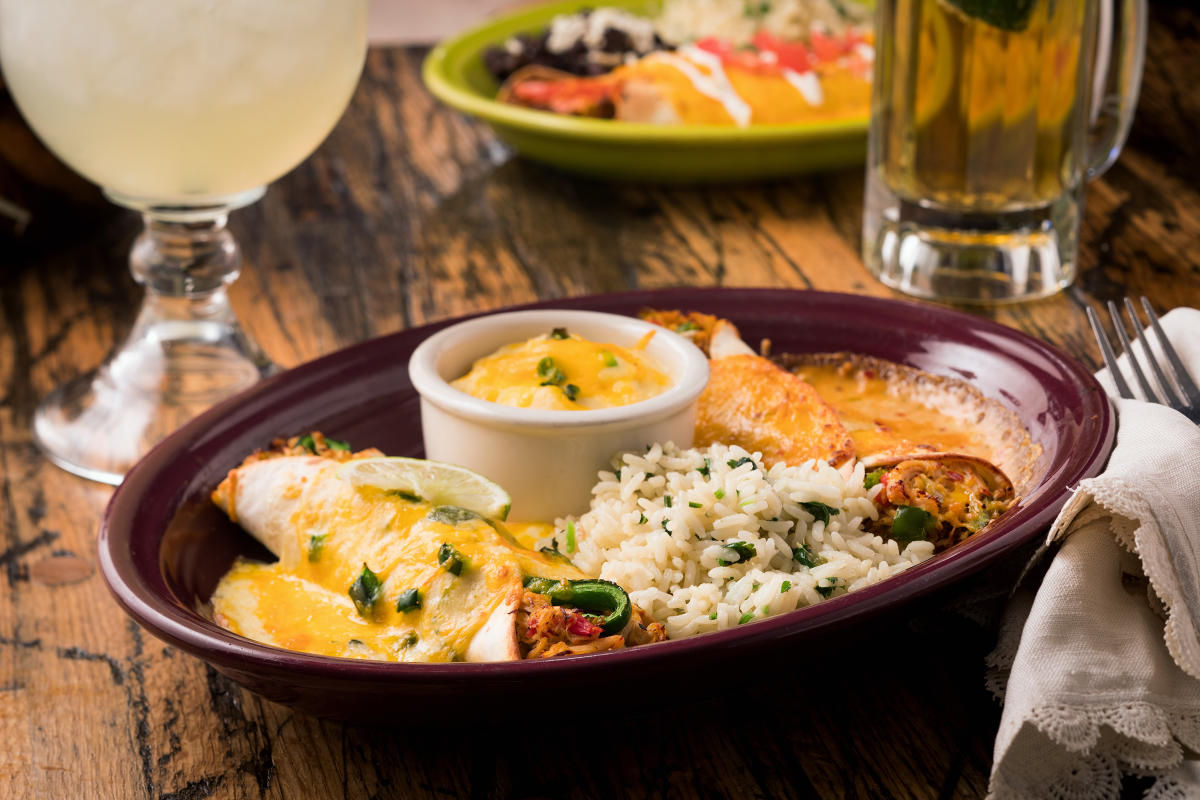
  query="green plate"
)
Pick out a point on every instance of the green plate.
point(454, 72)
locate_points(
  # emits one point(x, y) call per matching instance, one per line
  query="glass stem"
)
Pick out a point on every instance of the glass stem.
point(185, 352)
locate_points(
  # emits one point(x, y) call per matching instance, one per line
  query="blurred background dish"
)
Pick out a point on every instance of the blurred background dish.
point(457, 73)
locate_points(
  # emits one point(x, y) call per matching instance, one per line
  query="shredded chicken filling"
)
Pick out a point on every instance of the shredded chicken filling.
point(545, 630)
point(960, 501)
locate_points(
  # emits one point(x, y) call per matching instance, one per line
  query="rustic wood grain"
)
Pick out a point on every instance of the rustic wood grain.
point(411, 213)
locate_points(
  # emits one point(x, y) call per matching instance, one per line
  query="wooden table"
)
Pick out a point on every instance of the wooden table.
point(411, 213)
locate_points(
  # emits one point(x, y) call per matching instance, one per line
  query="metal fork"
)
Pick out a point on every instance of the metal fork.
point(1181, 395)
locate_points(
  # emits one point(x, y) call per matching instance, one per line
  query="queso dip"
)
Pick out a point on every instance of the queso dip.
point(565, 372)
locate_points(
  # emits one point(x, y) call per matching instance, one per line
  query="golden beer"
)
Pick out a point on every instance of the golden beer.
point(980, 144)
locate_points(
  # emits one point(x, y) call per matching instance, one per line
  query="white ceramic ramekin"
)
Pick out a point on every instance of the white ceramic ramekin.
point(547, 459)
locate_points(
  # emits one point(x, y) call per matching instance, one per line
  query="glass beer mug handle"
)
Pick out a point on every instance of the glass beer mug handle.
point(1120, 53)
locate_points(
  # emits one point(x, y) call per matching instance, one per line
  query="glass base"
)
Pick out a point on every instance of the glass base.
point(167, 372)
point(966, 257)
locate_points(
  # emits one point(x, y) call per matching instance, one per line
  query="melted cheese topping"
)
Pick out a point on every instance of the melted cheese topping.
point(703, 91)
point(604, 375)
point(303, 603)
point(880, 419)
point(715, 84)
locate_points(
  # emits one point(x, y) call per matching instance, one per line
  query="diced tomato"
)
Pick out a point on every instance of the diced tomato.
point(582, 626)
point(824, 46)
point(716, 46)
point(763, 40)
point(788, 55)
point(794, 57)
point(747, 60)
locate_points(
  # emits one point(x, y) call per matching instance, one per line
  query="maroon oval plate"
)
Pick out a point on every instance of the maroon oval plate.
point(164, 546)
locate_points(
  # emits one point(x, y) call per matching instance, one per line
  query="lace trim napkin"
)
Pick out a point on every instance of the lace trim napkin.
point(1100, 670)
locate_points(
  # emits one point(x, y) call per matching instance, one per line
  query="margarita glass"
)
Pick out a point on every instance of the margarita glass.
point(183, 111)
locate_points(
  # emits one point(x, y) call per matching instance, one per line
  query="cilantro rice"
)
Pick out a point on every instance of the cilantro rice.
point(705, 539)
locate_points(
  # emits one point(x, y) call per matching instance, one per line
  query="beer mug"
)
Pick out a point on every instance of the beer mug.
point(987, 117)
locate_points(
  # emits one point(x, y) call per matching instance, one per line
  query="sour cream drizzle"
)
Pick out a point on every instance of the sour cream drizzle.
point(715, 85)
point(807, 84)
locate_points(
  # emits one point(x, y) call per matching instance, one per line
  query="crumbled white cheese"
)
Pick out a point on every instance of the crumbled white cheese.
point(565, 31)
point(640, 30)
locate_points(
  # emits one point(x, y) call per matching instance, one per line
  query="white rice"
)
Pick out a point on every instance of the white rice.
point(671, 558)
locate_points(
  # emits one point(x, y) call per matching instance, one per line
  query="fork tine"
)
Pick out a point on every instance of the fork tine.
point(1184, 381)
point(1147, 391)
point(1168, 395)
point(1106, 352)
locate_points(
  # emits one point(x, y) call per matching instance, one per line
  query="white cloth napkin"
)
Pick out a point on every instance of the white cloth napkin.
point(1102, 665)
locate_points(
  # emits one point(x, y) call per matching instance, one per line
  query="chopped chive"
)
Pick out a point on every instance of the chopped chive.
point(552, 552)
point(754, 587)
point(735, 463)
point(713, 615)
point(410, 640)
point(559, 333)
point(609, 359)
point(337, 444)
point(749, 615)
point(403, 495)
point(745, 503)
point(556, 378)
point(668, 500)
point(549, 371)
point(365, 591)
point(806, 557)
point(408, 600)
point(306, 441)
point(694, 504)
point(825, 591)
point(642, 519)
point(684, 327)
point(571, 391)
point(316, 546)
point(743, 550)
point(722, 562)
point(706, 469)
point(664, 526)
point(719, 493)
point(450, 559)
point(820, 511)
point(785, 587)
point(570, 537)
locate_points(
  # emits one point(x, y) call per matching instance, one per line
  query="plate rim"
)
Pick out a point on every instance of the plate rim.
point(183, 627)
point(443, 84)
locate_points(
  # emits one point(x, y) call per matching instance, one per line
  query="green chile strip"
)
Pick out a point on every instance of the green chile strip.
point(604, 599)
point(911, 524)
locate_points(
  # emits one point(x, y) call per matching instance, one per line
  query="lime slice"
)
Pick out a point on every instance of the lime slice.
point(433, 481)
